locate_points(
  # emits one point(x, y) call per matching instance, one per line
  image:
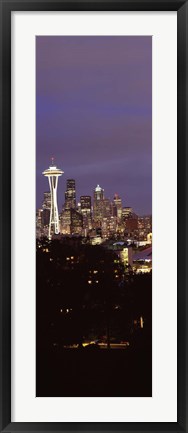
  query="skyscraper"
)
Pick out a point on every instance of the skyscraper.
point(70, 195)
point(76, 222)
point(118, 204)
point(46, 206)
point(107, 208)
point(85, 201)
point(65, 219)
point(47, 200)
point(98, 193)
point(98, 205)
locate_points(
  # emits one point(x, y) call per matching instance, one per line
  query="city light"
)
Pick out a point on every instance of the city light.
point(93, 218)
point(96, 220)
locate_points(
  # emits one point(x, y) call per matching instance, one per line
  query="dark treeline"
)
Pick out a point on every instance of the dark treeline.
point(83, 293)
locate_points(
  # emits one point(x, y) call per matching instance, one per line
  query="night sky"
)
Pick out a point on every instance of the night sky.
point(94, 115)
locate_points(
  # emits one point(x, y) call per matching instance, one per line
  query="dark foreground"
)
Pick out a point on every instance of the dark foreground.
point(94, 373)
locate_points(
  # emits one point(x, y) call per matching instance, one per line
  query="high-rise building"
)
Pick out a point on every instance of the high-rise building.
point(45, 217)
point(131, 226)
point(114, 210)
point(76, 222)
point(144, 226)
point(70, 195)
point(39, 213)
point(98, 193)
point(126, 212)
point(107, 208)
point(47, 200)
point(53, 173)
point(39, 218)
point(112, 226)
point(65, 219)
point(118, 204)
point(85, 203)
point(106, 219)
point(46, 206)
point(98, 205)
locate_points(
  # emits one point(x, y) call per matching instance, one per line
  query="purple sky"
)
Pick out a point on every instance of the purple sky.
point(94, 115)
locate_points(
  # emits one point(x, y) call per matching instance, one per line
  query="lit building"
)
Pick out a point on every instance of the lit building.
point(96, 240)
point(114, 210)
point(124, 253)
point(71, 222)
point(144, 226)
point(39, 217)
point(85, 202)
point(98, 205)
point(112, 225)
point(98, 193)
point(126, 256)
point(107, 208)
point(65, 219)
point(46, 206)
point(131, 226)
point(41, 229)
point(45, 217)
point(126, 212)
point(142, 261)
point(105, 228)
point(47, 200)
point(118, 204)
point(70, 195)
point(53, 173)
point(76, 222)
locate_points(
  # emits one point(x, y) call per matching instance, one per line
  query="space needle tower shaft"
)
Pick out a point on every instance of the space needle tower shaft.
point(53, 173)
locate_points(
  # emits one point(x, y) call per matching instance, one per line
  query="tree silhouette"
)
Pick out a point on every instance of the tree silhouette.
point(83, 290)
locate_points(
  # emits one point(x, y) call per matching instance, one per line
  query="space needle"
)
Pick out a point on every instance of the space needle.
point(53, 173)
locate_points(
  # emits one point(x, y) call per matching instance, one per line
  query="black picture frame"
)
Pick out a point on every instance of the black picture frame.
point(6, 7)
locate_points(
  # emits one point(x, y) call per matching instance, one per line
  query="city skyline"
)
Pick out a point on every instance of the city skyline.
point(78, 198)
point(94, 116)
point(94, 216)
